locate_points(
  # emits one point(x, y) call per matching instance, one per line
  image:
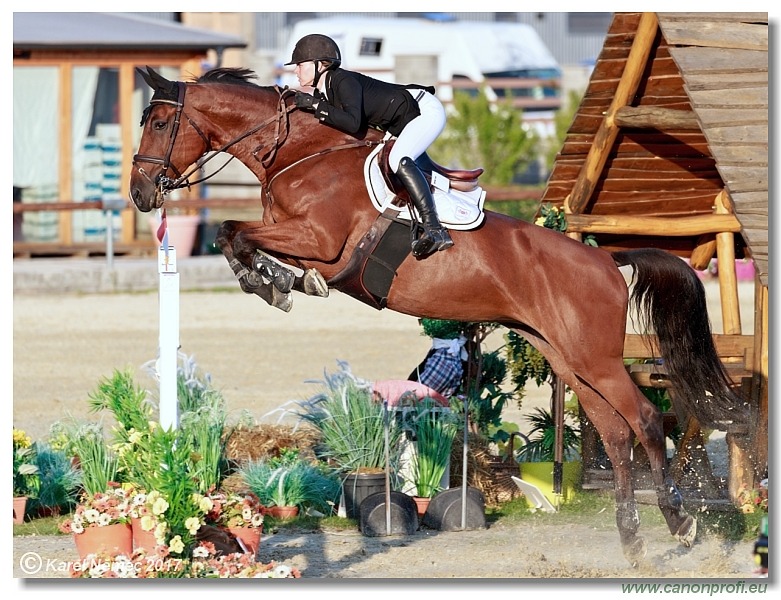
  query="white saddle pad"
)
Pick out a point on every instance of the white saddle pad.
point(456, 209)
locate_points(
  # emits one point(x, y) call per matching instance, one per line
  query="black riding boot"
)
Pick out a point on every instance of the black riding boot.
point(434, 236)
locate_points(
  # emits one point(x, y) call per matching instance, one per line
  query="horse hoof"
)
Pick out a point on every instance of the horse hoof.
point(687, 532)
point(280, 300)
point(635, 551)
point(314, 284)
point(250, 282)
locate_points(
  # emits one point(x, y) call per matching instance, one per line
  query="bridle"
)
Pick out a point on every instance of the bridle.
point(166, 184)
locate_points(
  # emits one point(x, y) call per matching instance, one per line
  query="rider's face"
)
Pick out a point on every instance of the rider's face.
point(305, 72)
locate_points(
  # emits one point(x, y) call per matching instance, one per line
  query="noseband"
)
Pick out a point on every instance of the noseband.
point(166, 184)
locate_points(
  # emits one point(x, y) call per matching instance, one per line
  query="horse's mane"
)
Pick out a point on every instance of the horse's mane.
point(231, 75)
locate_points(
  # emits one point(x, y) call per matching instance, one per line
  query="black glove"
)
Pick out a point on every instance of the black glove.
point(305, 101)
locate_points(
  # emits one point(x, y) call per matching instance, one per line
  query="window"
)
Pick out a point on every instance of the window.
point(370, 47)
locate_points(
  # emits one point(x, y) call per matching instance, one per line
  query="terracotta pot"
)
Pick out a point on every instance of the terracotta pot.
point(112, 540)
point(249, 536)
point(282, 512)
point(141, 538)
point(20, 503)
point(422, 504)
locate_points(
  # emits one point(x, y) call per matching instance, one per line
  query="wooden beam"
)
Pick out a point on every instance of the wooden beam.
point(608, 129)
point(651, 117)
point(662, 226)
point(728, 280)
point(703, 252)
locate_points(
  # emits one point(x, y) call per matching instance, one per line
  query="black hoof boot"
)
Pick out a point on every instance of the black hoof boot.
point(282, 278)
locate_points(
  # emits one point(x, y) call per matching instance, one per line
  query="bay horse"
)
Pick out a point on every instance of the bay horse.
point(568, 299)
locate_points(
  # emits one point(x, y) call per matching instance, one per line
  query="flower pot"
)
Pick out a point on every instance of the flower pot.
point(422, 504)
point(282, 512)
point(111, 539)
point(540, 474)
point(142, 539)
point(357, 487)
point(182, 231)
point(249, 536)
point(20, 504)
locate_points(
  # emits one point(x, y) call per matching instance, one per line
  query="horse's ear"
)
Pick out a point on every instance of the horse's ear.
point(146, 76)
point(158, 83)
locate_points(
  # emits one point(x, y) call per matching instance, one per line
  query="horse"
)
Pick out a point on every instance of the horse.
point(568, 299)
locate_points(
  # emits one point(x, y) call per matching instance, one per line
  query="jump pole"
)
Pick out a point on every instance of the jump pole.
point(168, 329)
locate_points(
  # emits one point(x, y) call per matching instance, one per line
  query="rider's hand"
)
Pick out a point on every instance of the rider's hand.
point(305, 101)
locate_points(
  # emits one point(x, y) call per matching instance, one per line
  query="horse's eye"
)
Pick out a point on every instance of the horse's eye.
point(160, 125)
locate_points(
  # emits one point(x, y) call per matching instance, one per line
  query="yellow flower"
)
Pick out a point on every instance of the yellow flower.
point(193, 525)
point(21, 439)
point(135, 437)
point(540, 221)
point(176, 545)
point(205, 503)
point(147, 522)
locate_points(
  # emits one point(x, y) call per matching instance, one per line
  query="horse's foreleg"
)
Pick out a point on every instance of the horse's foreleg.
point(250, 281)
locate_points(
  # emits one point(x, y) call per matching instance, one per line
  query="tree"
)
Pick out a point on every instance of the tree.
point(488, 135)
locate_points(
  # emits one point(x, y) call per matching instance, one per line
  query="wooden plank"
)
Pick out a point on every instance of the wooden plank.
point(744, 179)
point(749, 155)
point(737, 17)
point(717, 34)
point(708, 60)
point(731, 116)
point(725, 81)
point(755, 135)
point(754, 97)
point(727, 346)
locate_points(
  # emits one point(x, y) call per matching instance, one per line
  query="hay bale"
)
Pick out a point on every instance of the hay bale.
point(485, 471)
point(244, 444)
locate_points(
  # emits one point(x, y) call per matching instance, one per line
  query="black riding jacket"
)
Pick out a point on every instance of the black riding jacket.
point(354, 101)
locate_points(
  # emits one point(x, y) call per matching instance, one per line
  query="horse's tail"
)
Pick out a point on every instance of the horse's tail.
point(669, 300)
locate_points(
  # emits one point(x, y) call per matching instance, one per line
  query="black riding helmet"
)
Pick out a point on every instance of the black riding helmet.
point(316, 47)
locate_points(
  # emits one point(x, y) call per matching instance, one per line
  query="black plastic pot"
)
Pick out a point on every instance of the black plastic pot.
point(359, 486)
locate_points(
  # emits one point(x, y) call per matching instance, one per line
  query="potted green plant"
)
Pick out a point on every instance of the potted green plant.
point(59, 481)
point(352, 424)
point(288, 484)
point(434, 429)
point(26, 481)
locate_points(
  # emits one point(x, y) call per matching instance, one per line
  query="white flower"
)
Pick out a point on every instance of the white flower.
point(192, 524)
point(205, 504)
point(176, 545)
point(200, 552)
point(91, 515)
point(257, 520)
point(281, 571)
point(76, 526)
point(246, 514)
point(160, 506)
point(103, 520)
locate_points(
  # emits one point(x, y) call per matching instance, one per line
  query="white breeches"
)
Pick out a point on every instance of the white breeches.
point(421, 131)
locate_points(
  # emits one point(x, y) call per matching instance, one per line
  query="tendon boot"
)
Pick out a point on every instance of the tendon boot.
point(434, 236)
point(282, 278)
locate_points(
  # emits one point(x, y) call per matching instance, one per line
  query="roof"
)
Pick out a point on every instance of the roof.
point(114, 31)
point(655, 153)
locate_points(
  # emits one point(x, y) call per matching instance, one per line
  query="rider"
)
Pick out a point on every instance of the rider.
point(349, 101)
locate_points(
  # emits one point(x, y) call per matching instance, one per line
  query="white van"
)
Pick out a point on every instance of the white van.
point(510, 58)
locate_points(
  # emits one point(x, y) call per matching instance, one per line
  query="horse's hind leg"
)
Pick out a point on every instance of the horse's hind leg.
point(617, 438)
point(646, 422)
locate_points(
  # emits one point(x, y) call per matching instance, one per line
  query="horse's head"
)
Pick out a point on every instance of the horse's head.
point(165, 150)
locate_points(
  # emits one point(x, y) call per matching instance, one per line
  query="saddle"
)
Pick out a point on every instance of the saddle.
point(461, 180)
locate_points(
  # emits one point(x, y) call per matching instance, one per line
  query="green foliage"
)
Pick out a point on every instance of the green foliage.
point(59, 480)
point(525, 364)
point(292, 482)
point(492, 136)
point(351, 423)
point(443, 329)
point(99, 465)
point(26, 480)
point(542, 439)
point(434, 431)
